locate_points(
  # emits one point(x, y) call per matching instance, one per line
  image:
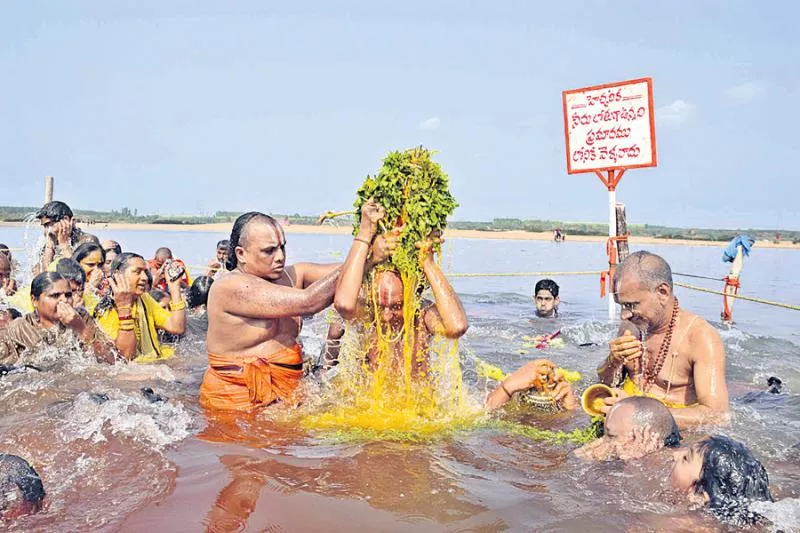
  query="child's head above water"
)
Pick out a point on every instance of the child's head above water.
point(545, 295)
point(725, 474)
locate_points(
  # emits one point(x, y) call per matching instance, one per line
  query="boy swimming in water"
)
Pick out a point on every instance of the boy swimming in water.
point(545, 295)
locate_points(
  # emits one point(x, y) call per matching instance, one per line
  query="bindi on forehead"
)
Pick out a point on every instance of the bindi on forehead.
point(263, 233)
point(390, 290)
point(275, 232)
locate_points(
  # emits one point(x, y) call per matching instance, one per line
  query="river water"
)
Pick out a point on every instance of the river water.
point(112, 460)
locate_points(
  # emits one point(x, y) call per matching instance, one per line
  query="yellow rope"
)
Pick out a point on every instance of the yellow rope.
point(739, 296)
point(487, 274)
point(333, 214)
point(576, 273)
point(523, 274)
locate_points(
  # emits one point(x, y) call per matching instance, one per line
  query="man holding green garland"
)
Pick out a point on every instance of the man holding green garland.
point(445, 316)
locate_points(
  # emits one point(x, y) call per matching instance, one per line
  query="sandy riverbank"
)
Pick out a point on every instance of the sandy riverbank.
point(450, 234)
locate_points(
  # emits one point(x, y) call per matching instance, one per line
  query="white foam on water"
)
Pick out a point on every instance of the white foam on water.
point(137, 372)
point(589, 332)
point(734, 339)
point(157, 424)
point(784, 514)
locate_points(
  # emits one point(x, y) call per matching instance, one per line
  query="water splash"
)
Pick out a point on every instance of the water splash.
point(155, 424)
point(783, 514)
point(386, 389)
point(589, 332)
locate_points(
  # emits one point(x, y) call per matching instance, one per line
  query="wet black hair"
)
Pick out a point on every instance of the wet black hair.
point(16, 472)
point(87, 248)
point(55, 211)
point(4, 249)
point(237, 233)
point(43, 281)
point(198, 292)
point(546, 285)
point(14, 313)
point(157, 294)
point(732, 477)
point(71, 270)
point(118, 265)
point(223, 244)
point(673, 438)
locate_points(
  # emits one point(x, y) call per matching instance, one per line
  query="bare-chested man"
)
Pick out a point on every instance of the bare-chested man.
point(254, 317)
point(681, 360)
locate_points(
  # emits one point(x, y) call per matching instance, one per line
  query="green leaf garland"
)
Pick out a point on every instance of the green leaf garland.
point(414, 191)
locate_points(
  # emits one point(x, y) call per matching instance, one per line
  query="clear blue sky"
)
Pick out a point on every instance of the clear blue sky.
point(196, 106)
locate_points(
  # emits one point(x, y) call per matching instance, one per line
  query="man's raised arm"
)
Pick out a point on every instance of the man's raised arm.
point(310, 273)
point(253, 297)
point(449, 318)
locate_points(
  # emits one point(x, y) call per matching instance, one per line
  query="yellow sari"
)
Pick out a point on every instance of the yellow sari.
point(147, 316)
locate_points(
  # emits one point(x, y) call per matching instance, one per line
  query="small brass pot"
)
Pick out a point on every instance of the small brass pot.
point(592, 399)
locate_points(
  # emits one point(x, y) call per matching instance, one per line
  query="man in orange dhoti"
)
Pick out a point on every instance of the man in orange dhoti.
point(253, 381)
point(255, 314)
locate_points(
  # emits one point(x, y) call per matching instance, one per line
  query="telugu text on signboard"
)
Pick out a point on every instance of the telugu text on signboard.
point(610, 126)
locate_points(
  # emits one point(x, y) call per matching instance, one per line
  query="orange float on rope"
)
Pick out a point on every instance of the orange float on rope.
point(732, 282)
point(607, 278)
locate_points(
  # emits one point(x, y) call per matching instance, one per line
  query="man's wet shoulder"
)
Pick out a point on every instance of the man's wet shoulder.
point(698, 326)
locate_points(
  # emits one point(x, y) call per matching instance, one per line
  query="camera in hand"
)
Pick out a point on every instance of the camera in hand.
point(174, 271)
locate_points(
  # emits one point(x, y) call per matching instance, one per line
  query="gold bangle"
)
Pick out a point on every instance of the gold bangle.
point(180, 306)
point(365, 241)
point(126, 327)
point(503, 386)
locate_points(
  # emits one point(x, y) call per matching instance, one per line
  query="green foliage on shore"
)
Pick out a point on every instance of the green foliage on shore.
point(124, 215)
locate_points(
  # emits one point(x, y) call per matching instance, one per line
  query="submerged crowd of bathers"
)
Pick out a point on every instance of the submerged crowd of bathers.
point(122, 308)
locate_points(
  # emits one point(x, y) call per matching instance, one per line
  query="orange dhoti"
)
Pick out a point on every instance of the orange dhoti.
point(246, 383)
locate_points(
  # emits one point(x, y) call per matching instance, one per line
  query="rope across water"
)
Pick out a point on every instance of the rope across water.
point(197, 268)
point(740, 296)
point(598, 272)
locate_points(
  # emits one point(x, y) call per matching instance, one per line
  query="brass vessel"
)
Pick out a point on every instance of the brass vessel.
point(592, 399)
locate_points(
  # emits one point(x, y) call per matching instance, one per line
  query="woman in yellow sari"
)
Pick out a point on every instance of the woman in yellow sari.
point(131, 317)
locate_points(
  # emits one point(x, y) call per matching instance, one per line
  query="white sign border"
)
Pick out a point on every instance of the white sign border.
point(654, 159)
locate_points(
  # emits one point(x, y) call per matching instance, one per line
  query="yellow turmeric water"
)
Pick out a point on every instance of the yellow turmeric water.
point(390, 385)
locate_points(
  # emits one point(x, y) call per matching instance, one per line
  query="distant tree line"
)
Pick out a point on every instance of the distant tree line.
point(126, 215)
